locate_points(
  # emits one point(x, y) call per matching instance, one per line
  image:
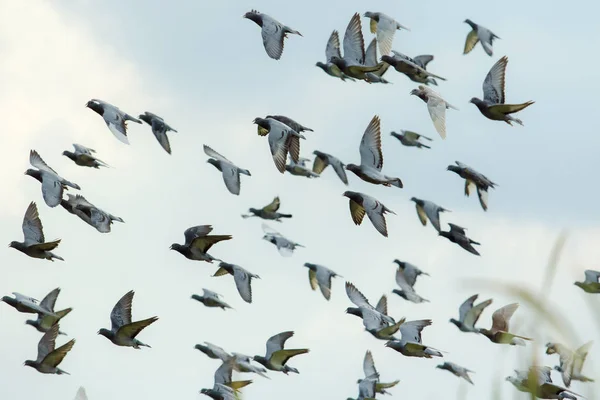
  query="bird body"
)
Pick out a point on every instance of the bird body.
point(34, 243)
point(198, 242)
point(428, 210)
point(323, 160)
point(52, 184)
point(410, 344)
point(333, 49)
point(375, 319)
point(371, 373)
point(283, 140)
point(361, 204)
point(457, 235)
point(159, 129)
point(571, 362)
point(498, 333)
point(27, 305)
point(241, 277)
point(115, 119)
point(89, 213)
point(83, 156)
point(411, 139)
point(479, 34)
point(414, 68)
point(385, 28)
point(284, 245)
point(320, 276)
point(268, 212)
point(211, 299)
point(45, 321)
point(456, 370)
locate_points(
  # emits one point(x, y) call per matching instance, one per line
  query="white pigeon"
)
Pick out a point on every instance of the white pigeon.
point(385, 28)
point(436, 106)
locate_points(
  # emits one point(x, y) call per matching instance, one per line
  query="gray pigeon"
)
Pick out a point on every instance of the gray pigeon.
point(269, 212)
point(320, 276)
point(571, 362)
point(333, 50)
point(52, 184)
point(300, 169)
point(385, 28)
point(34, 244)
point(371, 373)
point(371, 158)
point(231, 173)
point(474, 178)
point(457, 235)
point(411, 139)
point(220, 392)
point(428, 210)
point(436, 106)
point(322, 160)
point(457, 370)
point(413, 68)
point(411, 272)
point(591, 284)
point(115, 119)
point(49, 357)
point(244, 364)
point(492, 106)
point(28, 305)
point(477, 34)
point(375, 319)
point(498, 333)
point(361, 204)
point(284, 245)
point(468, 314)
point(211, 299)
point(410, 344)
point(198, 242)
point(407, 292)
point(366, 389)
point(83, 157)
point(44, 322)
point(123, 331)
point(223, 376)
point(213, 351)
point(242, 278)
point(89, 213)
point(159, 129)
point(273, 33)
point(276, 356)
point(282, 140)
point(538, 381)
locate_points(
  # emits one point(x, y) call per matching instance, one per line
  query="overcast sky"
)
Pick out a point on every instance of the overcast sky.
point(203, 68)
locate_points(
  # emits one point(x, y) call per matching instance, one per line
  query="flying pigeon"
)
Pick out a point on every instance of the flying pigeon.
point(457, 370)
point(413, 68)
point(223, 376)
point(468, 314)
point(49, 357)
point(213, 351)
point(407, 291)
point(492, 106)
point(276, 356)
point(89, 213)
point(410, 344)
point(366, 390)
point(473, 178)
point(537, 380)
point(284, 245)
point(479, 34)
point(571, 362)
point(28, 305)
point(268, 212)
point(115, 119)
point(300, 169)
point(384, 27)
point(273, 32)
point(44, 322)
point(242, 278)
point(411, 139)
point(428, 210)
point(282, 140)
point(198, 242)
point(244, 364)
point(211, 299)
point(296, 126)
point(591, 284)
point(159, 129)
point(375, 319)
point(436, 106)
point(123, 331)
point(320, 276)
point(34, 244)
point(83, 157)
point(361, 204)
point(371, 60)
point(371, 373)
point(52, 184)
point(322, 160)
point(371, 158)
point(333, 49)
point(353, 61)
point(220, 392)
point(457, 235)
point(411, 272)
point(231, 173)
point(499, 330)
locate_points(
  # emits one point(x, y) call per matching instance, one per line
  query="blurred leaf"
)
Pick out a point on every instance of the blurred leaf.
point(553, 261)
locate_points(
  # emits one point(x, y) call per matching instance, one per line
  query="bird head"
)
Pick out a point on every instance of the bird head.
point(68, 154)
point(146, 118)
point(551, 349)
point(354, 311)
point(474, 100)
point(415, 92)
point(580, 284)
point(30, 322)
point(369, 14)
point(261, 122)
point(94, 105)
point(453, 168)
point(213, 162)
point(13, 244)
point(389, 343)
point(352, 167)
point(260, 359)
point(440, 366)
point(104, 332)
point(177, 247)
point(254, 16)
point(388, 59)
point(453, 321)
point(321, 65)
point(253, 210)
point(414, 199)
point(400, 263)
point(29, 363)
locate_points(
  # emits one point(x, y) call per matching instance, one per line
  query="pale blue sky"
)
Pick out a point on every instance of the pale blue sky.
point(203, 68)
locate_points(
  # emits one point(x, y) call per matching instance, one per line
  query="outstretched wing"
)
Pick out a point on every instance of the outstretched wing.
point(273, 206)
point(333, 46)
point(276, 342)
point(33, 231)
point(493, 85)
point(411, 330)
point(502, 316)
point(370, 145)
point(121, 312)
point(354, 43)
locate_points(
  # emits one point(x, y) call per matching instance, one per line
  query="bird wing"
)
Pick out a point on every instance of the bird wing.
point(312, 278)
point(218, 351)
point(369, 365)
point(402, 282)
point(411, 330)
point(270, 231)
point(321, 162)
point(411, 136)
point(433, 213)
point(371, 54)
point(386, 28)
point(437, 111)
point(370, 145)
point(52, 189)
point(279, 142)
point(410, 273)
point(212, 153)
point(231, 177)
point(375, 214)
point(273, 206)
point(333, 46)
point(210, 293)
point(354, 43)
point(121, 312)
point(502, 316)
point(482, 194)
point(47, 343)
point(423, 60)
point(242, 281)
point(49, 301)
point(323, 276)
point(493, 84)
point(472, 316)
point(204, 243)
point(38, 162)
point(33, 231)
point(466, 306)
point(159, 129)
point(272, 35)
point(356, 297)
point(338, 167)
point(382, 305)
point(457, 229)
point(82, 149)
point(196, 231)
point(373, 320)
point(280, 357)
point(113, 117)
point(580, 356)
point(357, 212)
point(132, 330)
point(592, 276)
point(224, 372)
point(276, 342)
point(56, 356)
point(421, 214)
point(471, 41)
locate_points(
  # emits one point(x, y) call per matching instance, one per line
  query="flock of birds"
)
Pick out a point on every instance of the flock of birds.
point(284, 136)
